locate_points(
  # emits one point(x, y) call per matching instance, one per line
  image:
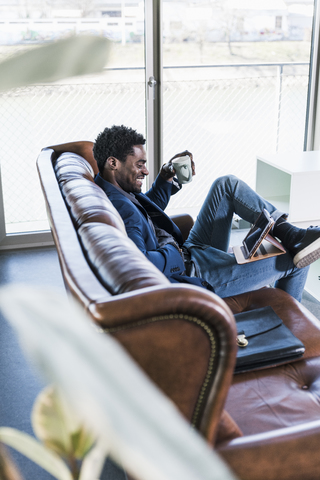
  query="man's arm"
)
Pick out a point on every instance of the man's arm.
point(161, 191)
point(167, 258)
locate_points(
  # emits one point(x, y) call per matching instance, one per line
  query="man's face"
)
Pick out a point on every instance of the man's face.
point(130, 174)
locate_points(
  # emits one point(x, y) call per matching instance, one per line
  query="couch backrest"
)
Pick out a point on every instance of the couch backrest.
point(86, 225)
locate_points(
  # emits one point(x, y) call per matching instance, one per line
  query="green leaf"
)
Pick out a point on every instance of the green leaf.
point(58, 426)
point(34, 450)
point(82, 442)
point(146, 433)
point(76, 55)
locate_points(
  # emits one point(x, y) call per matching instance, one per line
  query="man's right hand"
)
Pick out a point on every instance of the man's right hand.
point(168, 172)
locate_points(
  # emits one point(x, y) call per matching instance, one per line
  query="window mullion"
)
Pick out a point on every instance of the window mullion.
point(312, 140)
point(2, 217)
point(153, 49)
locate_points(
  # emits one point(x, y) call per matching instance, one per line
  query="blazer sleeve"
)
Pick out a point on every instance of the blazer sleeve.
point(167, 259)
point(161, 191)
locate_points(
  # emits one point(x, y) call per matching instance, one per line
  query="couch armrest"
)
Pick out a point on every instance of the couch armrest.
point(288, 454)
point(183, 337)
point(184, 222)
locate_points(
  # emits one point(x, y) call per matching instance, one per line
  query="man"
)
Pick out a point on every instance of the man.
point(203, 259)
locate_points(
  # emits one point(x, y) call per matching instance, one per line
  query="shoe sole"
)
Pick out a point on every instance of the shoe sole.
point(308, 255)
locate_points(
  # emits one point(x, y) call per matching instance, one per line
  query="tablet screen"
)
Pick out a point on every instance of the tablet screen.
point(257, 232)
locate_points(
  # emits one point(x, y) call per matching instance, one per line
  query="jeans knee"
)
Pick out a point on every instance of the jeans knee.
point(226, 181)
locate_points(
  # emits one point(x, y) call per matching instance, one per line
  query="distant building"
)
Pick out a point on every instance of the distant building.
point(34, 21)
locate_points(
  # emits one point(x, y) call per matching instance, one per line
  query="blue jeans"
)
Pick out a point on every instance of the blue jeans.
point(208, 244)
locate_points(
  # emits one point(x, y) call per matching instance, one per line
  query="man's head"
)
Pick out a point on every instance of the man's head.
point(121, 157)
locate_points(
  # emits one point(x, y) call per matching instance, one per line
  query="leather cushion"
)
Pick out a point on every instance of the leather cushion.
point(278, 397)
point(116, 261)
point(227, 429)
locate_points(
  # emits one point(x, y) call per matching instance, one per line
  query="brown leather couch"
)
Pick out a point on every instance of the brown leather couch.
point(265, 423)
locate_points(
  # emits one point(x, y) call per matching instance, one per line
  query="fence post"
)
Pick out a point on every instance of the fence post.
point(278, 104)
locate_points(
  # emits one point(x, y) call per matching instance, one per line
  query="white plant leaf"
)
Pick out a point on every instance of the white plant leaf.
point(93, 462)
point(76, 55)
point(50, 421)
point(58, 426)
point(36, 452)
point(146, 433)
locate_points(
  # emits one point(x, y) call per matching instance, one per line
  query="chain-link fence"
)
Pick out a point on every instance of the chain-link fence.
point(227, 120)
point(225, 117)
point(39, 116)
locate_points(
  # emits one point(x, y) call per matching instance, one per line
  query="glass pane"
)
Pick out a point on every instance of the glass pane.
point(74, 109)
point(235, 85)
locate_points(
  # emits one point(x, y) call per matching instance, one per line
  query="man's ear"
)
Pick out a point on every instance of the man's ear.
point(111, 163)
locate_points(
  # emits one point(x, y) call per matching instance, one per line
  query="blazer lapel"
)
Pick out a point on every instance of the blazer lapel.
point(159, 217)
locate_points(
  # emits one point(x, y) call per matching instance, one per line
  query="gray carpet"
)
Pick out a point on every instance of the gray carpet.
point(19, 385)
point(311, 304)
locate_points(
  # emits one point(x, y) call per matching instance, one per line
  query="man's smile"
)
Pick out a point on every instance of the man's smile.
point(140, 179)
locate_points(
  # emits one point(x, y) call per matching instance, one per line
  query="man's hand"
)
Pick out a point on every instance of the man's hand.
point(168, 172)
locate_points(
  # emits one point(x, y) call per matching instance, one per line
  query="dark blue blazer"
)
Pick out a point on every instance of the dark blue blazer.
point(135, 217)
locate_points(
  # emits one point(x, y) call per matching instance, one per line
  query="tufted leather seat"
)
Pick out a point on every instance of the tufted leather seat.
point(182, 336)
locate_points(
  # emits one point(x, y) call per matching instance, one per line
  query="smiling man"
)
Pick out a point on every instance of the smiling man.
point(121, 158)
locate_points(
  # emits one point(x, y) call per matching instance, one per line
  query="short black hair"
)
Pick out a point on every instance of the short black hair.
point(117, 141)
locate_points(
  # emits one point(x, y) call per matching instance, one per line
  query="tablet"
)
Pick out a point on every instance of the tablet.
point(257, 233)
point(258, 243)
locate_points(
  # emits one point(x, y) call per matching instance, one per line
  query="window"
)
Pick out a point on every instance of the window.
point(234, 86)
point(112, 13)
point(278, 23)
point(37, 116)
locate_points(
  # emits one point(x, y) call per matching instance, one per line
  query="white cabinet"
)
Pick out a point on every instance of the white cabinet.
point(291, 182)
